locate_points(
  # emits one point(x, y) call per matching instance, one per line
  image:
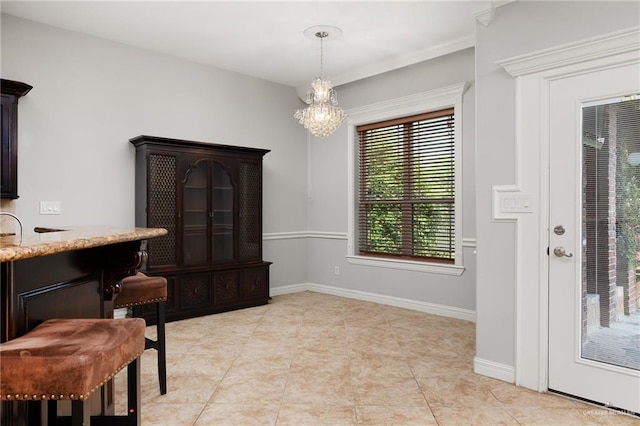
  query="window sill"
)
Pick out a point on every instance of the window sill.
point(407, 265)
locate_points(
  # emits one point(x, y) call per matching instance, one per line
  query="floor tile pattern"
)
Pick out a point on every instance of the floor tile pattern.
point(316, 359)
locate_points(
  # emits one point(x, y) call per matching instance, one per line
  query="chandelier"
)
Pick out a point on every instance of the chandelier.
point(322, 116)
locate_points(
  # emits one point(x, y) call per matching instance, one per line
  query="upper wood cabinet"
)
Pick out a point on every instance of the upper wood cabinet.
point(11, 92)
point(209, 198)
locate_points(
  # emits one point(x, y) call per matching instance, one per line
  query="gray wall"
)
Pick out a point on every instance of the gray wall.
point(517, 28)
point(328, 191)
point(90, 96)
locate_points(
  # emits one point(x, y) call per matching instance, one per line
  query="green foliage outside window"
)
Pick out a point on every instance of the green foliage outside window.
point(407, 191)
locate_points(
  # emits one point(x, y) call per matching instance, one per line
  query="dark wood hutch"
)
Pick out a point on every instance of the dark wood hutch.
point(209, 197)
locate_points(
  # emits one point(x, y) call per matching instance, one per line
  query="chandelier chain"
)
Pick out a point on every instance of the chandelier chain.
point(321, 35)
point(321, 55)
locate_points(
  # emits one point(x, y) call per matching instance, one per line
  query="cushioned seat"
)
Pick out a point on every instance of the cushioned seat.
point(68, 359)
point(141, 289)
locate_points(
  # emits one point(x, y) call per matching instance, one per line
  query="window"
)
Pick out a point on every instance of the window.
point(405, 180)
point(406, 204)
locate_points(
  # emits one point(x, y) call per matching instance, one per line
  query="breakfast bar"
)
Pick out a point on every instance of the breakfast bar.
point(70, 273)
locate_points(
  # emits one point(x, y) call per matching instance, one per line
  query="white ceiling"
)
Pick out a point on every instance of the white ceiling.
point(264, 39)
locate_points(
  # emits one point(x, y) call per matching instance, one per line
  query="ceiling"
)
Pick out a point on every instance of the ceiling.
point(265, 39)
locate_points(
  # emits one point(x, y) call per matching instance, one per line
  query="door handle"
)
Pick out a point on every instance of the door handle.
point(561, 252)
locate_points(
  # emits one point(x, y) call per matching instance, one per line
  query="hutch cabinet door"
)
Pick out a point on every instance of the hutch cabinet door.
point(161, 209)
point(195, 292)
point(250, 210)
point(196, 213)
point(208, 212)
point(226, 288)
point(222, 214)
point(255, 283)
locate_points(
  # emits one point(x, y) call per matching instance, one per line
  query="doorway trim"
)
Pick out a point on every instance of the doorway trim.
point(533, 73)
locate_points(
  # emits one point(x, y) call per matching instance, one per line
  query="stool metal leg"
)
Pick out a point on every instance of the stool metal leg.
point(52, 412)
point(79, 416)
point(162, 353)
point(133, 392)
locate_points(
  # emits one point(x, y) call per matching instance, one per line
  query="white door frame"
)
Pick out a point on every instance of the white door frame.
point(533, 74)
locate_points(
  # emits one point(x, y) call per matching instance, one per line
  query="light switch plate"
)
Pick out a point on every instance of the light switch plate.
point(509, 203)
point(50, 207)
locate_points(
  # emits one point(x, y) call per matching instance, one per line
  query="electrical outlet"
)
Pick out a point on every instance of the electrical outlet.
point(336, 270)
point(50, 207)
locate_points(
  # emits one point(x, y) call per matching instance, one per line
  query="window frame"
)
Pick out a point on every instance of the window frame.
point(419, 103)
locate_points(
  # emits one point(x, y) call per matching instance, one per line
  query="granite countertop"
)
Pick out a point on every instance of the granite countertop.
point(72, 238)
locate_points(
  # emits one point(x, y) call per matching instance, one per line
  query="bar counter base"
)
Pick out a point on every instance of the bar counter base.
point(70, 284)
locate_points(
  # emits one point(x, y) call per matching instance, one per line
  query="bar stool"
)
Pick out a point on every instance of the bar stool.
point(141, 289)
point(68, 359)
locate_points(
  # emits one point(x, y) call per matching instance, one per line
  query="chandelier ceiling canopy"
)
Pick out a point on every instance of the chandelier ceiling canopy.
point(322, 116)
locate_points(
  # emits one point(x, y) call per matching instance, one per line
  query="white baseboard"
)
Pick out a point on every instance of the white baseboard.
point(430, 308)
point(494, 369)
point(120, 313)
point(286, 289)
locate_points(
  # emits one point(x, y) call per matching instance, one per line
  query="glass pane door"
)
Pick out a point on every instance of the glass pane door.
point(195, 213)
point(611, 232)
point(222, 219)
point(593, 251)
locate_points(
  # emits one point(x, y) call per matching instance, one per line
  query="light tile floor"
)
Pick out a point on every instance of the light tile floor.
point(315, 359)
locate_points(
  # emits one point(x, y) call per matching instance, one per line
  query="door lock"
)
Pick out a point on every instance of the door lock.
point(561, 252)
point(559, 230)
